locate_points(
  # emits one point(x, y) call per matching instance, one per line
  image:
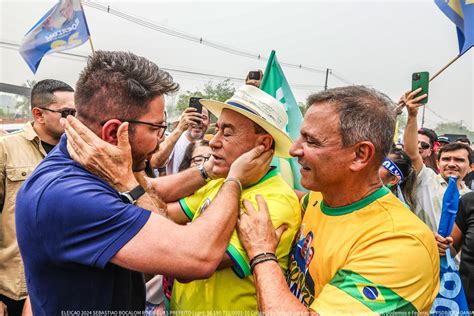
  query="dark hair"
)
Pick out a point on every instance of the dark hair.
point(456, 146)
point(119, 84)
point(42, 93)
point(364, 115)
point(430, 134)
point(188, 153)
point(408, 186)
point(463, 139)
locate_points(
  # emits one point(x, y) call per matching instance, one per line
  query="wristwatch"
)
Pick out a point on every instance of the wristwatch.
point(203, 173)
point(133, 195)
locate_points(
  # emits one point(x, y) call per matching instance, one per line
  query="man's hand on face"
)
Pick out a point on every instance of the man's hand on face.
point(251, 166)
point(255, 229)
point(190, 117)
point(111, 163)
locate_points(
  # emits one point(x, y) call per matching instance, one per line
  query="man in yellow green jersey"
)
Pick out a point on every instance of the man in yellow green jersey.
point(248, 119)
point(359, 249)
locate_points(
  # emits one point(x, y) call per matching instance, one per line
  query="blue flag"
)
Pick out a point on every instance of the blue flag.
point(461, 13)
point(63, 27)
point(451, 299)
point(274, 83)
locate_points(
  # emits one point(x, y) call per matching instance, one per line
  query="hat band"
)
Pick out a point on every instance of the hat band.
point(243, 107)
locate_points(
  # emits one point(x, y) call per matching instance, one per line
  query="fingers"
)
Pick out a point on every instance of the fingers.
point(280, 230)
point(413, 93)
point(122, 136)
point(249, 209)
point(80, 129)
point(262, 205)
point(418, 99)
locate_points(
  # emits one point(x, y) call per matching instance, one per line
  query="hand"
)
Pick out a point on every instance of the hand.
point(443, 243)
point(255, 229)
point(412, 104)
point(209, 166)
point(3, 309)
point(190, 117)
point(251, 166)
point(111, 163)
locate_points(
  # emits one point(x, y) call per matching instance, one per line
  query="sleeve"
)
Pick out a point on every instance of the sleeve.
point(282, 211)
point(190, 204)
point(465, 204)
point(83, 220)
point(377, 278)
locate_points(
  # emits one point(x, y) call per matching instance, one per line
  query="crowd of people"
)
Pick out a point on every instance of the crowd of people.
point(102, 211)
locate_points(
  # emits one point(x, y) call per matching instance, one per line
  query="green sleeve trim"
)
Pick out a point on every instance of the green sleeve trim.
point(241, 267)
point(336, 211)
point(377, 298)
point(187, 211)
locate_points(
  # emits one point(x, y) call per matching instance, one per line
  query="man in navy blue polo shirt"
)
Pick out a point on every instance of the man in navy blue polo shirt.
point(82, 239)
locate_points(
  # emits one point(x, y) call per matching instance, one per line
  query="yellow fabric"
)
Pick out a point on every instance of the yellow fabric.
point(225, 290)
point(20, 153)
point(373, 256)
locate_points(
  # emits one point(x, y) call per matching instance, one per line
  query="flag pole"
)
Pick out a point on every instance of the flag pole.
point(444, 68)
point(399, 108)
point(90, 39)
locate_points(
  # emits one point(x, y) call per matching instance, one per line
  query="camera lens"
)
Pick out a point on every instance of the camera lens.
point(416, 76)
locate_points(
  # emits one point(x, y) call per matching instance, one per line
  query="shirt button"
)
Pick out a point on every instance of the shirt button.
point(23, 173)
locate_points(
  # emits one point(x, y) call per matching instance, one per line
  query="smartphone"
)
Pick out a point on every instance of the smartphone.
point(255, 75)
point(194, 102)
point(420, 80)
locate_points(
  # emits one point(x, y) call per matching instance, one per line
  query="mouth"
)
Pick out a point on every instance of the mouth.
point(304, 167)
point(217, 158)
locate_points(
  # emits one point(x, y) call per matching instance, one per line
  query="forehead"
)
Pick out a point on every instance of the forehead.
point(236, 119)
point(459, 153)
point(64, 98)
point(321, 119)
point(156, 108)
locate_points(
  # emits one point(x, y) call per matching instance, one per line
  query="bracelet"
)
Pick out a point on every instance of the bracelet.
point(263, 254)
point(203, 173)
point(234, 180)
point(252, 267)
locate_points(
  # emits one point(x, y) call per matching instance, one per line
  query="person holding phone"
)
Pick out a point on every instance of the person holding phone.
point(254, 78)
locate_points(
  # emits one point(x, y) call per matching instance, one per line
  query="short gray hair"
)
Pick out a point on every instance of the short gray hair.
point(365, 114)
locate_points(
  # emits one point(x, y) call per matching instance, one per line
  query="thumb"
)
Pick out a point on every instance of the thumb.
point(122, 136)
point(280, 230)
point(257, 151)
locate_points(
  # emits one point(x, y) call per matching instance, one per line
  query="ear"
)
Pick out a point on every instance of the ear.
point(265, 140)
point(38, 115)
point(394, 181)
point(109, 131)
point(364, 153)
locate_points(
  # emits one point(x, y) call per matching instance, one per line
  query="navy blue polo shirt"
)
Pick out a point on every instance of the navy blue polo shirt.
point(69, 224)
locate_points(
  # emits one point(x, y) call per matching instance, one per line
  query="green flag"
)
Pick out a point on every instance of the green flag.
point(274, 83)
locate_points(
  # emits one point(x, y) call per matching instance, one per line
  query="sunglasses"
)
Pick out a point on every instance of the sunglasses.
point(424, 145)
point(64, 112)
point(160, 127)
point(200, 159)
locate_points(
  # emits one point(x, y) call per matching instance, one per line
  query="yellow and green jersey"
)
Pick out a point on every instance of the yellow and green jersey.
point(232, 289)
point(374, 255)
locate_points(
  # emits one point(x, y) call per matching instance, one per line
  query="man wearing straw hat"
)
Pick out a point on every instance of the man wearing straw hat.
point(248, 119)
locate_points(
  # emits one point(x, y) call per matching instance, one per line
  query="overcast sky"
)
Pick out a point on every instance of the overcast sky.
point(375, 43)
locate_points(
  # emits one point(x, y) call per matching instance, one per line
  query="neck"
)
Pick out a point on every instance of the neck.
point(44, 136)
point(351, 191)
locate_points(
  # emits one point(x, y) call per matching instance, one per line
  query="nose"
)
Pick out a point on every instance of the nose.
point(296, 150)
point(215, 141)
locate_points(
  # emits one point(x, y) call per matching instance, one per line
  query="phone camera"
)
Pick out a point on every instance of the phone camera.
point(416, 76)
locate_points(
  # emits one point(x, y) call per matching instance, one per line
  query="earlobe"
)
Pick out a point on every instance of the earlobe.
point(266, 141)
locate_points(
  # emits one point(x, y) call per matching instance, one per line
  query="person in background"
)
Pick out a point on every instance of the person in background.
point(442, 141)
point(453, 160)
point(428, 147)
point(20, 153)
point(398, 174)
point(196, 154)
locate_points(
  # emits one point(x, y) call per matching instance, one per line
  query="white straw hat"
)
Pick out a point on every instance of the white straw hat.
point(261, 108)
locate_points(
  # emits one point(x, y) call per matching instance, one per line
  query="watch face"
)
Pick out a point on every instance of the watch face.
point(126, 198)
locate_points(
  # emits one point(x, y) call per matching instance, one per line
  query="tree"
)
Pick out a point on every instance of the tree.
point(454, 128)
point(221, 91)
point(22, 106)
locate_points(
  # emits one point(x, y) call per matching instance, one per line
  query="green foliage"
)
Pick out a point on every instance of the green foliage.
point(220, 91)
point(454, 128)
point(22, 106)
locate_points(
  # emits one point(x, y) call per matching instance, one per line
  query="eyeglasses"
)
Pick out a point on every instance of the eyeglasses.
point(200, 159)
point(424, 145)
point(64, 112)
point(160, 127)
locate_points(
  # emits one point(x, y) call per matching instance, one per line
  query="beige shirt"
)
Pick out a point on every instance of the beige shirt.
point(20, 153)
point(430, 188)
